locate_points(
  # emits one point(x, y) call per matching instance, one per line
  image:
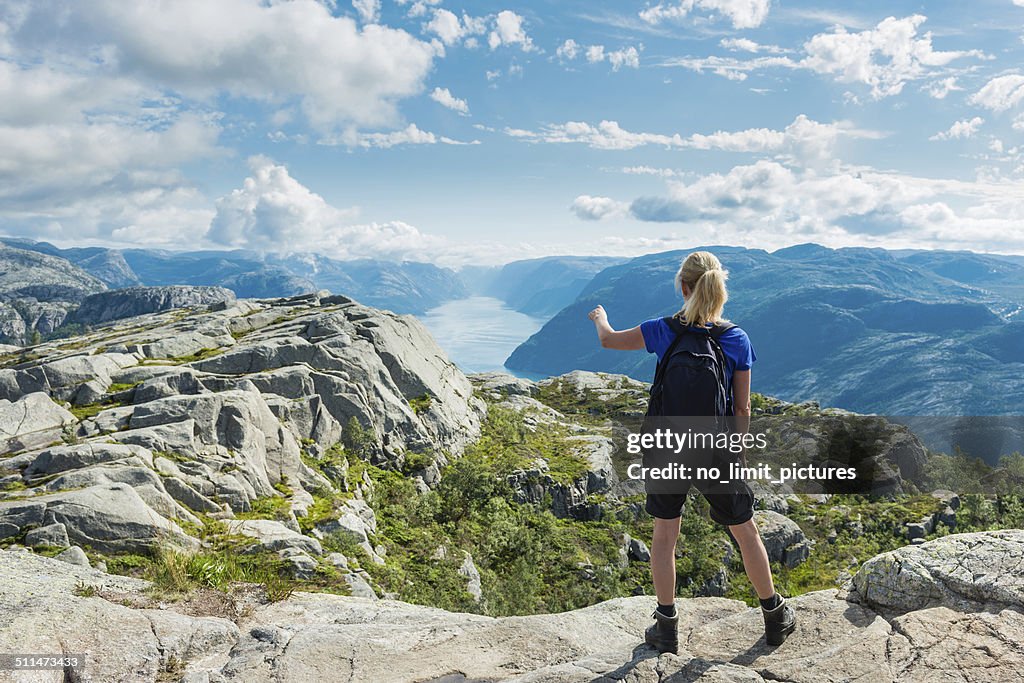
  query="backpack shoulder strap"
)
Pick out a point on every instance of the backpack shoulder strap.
point(718, 329)
point(673, 325)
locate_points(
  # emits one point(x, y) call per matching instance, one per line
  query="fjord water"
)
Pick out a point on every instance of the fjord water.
point(478, 333)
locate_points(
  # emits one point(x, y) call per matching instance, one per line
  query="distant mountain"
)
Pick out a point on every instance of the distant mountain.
point(267, 282)
point(478, 279)
point(999, 274)
point(542, 287)
point(37, 291)
point(107, 265)
point(406, 287)
point(854, 328)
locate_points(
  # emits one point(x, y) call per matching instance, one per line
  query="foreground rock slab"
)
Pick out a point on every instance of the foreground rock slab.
point(319, 637)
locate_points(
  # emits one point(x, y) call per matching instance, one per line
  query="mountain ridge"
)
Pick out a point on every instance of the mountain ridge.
point(831, 325)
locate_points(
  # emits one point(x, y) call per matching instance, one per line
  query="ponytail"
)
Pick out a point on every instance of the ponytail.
point(703, 275)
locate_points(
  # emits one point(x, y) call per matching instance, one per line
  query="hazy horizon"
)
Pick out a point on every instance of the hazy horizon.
point(460, 267)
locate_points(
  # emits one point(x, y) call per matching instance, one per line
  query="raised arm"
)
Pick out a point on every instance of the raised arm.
point(626, 340)
point(741, 392)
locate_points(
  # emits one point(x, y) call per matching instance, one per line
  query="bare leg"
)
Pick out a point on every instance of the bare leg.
point(663, 559)
point(755, 558)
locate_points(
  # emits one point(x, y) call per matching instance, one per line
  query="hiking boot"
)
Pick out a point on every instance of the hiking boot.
point(663, 634)
point(778, 623)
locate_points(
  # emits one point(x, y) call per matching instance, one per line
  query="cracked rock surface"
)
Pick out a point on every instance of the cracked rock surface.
point(974, 635)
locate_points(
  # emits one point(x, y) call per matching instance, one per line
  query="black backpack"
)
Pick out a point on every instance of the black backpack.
point(690, 380)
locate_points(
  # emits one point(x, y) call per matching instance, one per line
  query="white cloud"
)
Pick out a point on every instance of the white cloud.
point(341, 74)
point(730, 67)
point(628, 56)
point(605, 135)
point(742, 13)
point(410, 135)
point(885, 57)
point(369, 10)
point(960, 129)
point(1000, 93)
point(508, 30)
point(273, 211)
point(1018, 122)
point(445, 25)
point(450, 29)
point(84, 156)
point(650, 170)
point(417, 8)
point(598, 208)
point(771, 204)
point(568, 50)
point(444, 97)
point(747, 45)
point(803, 140)
point(942, 87)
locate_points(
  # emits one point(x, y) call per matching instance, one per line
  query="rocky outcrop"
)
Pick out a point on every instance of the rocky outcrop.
point(31, 421)
point(974, 637)
point(37, 291)
point(173, 416)
point(136, 301)
point(960, 571)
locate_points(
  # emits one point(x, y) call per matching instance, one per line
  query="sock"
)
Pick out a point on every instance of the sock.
point(772, 602)
point(667, 610)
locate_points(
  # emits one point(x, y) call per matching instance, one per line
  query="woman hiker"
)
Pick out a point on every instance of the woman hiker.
point(701, 279)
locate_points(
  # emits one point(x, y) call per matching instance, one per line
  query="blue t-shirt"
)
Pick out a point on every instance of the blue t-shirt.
point(739, 354)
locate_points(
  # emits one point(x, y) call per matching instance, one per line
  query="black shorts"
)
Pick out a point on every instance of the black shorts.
point(731, 503)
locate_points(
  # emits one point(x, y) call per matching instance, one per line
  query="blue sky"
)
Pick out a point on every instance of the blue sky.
point(489, 131)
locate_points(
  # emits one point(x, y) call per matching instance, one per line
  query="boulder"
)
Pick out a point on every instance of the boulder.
point(963, 571)
point(48, 536)
point(359, 586)
point(274, 536)
point(638, 550)
point(64, 458)
point(500, 384)
point(298, 563)
point(356, 520)
point(74, 555)
point(472, 574)
point(108, 518)
point(31, 421)
point(782, 537)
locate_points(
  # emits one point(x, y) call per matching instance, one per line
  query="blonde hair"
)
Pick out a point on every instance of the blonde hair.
point(703, 275)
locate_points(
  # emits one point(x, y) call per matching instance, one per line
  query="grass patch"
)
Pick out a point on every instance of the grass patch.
point(13, 485)
point(269, 507)
point(420, 404)
point(201, 354)
point(122, 386)
point(506, 444)
point(91, 409)
point(85, 590)
point(592, 407)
